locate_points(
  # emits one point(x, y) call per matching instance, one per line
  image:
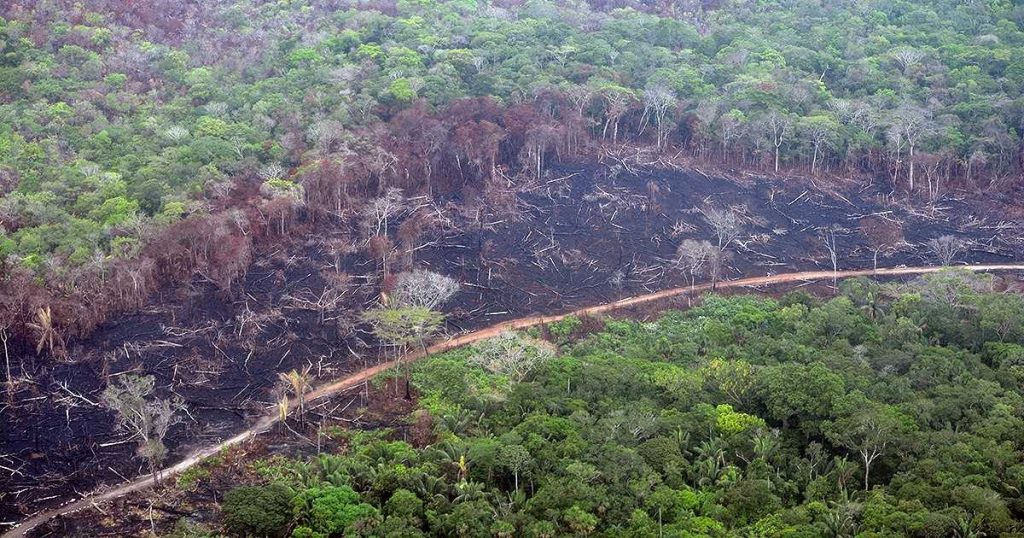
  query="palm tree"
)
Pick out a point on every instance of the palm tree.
point(432, 488)
point(968, 528)
point(48, 336)
point(453, 456)
point(873, 305)
point(843, 470)
point(470, 491)
point(766, 445)
point(298, 382)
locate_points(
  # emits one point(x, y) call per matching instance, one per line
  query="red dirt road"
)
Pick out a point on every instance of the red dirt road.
point(334, 387)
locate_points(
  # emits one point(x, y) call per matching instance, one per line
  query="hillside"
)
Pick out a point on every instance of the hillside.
point(209, 207)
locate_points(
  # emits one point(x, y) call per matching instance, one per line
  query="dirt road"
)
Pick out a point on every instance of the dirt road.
point(358, 378)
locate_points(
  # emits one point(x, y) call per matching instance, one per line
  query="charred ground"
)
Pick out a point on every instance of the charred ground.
point(579, 235)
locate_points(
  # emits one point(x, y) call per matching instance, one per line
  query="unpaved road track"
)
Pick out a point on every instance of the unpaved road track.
point(339, 385)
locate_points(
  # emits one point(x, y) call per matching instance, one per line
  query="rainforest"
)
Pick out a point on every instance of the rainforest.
point(543, 268)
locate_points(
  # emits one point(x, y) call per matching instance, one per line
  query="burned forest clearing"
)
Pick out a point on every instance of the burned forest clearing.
point(573, 238)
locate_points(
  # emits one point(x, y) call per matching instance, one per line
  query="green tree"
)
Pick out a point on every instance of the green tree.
point(258, 510)
point(330, 510)
point(868, 428)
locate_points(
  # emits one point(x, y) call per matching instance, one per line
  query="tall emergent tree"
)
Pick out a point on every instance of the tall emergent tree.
point(867, 427)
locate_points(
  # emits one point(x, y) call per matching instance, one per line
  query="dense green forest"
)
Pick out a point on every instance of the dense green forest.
point(889, 410)
point(144, 143)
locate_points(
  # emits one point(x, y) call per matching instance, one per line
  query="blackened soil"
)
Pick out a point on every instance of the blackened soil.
point(580, 236)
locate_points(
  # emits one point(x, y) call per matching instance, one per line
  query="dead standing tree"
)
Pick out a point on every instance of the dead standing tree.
point(423, 288)
point(378, 213)
point(512, 354)
point(694, 257)
point(828, 239)
point(777, 126)
point(726, 223)
point(658, 101)
point(884, 236)
point(377, 216)
point(946, 248)
point(7, 361)
point(717, 260)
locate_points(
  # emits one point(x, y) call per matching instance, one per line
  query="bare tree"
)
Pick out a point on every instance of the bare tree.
point(147, 419)
point(911, 124)
point(731, 127)
point(717, 260)
point(379, 211)
point(828, 238)
point(7, 359)
point(822, 132)
point(658, 99)
point(726, 223)
point(423, 288)
point(777, 126)
point(946, 248)
point(512, 354)
point(176, 133)
point(617, 102)
point(883, 235)
point(271, 172)
point(906, 57)
point(693, 256)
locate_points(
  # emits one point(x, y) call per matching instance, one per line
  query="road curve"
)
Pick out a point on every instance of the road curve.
point(339, 385)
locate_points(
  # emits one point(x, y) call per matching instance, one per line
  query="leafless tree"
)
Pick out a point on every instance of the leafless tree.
point(693, 256)
point(7, 359)
point(147, 419)
point(911, 124)
point(727, 224)
point(896, 142)
point(658, 99)
point(883, 235)
point(271, 172)
point(777, 126)
point(731, 127)
point(379, 211)
point(946, 248)
point(906, 57)
point(828, 238)
point(423, 288)
point(512, 354)
point(855, 113)
point(717, 260)
point(176, 133)
point(581, 96)
point(617, 101)
point(822, 135)
point(325, 133)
